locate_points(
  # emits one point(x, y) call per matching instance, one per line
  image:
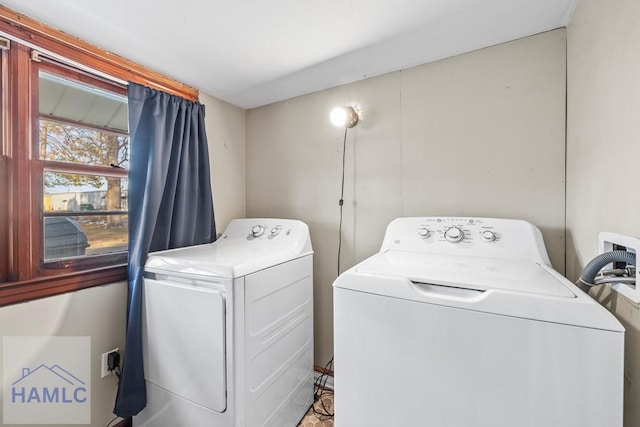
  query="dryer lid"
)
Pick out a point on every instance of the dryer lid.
point(238, 251)
point(468, 272)
point(216, 260)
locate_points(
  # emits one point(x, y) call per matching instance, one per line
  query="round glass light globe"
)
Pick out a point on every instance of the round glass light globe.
point(338, 116)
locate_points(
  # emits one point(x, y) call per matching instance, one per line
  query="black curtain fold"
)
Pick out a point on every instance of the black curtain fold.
point(170, 206)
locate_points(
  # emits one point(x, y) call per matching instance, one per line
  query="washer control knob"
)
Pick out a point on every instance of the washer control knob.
point(488, 236)
point(423, 232)
point(275, 231)
point(454, 234)
point(257, 230)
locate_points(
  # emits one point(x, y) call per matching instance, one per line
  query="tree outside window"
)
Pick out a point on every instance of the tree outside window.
point(84, 151)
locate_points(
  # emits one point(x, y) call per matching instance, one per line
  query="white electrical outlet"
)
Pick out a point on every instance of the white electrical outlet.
point(632, 244)
point(104, 363)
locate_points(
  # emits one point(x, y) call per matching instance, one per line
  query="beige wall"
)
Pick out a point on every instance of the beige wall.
point(226, 135)
point(96, 312)
point(603, 128)
point(481, 134)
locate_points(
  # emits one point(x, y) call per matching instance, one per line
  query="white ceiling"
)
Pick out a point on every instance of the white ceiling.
point(255, 52)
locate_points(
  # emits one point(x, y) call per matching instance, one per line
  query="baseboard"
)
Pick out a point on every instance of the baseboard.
point(320, 369)
point(328, 384)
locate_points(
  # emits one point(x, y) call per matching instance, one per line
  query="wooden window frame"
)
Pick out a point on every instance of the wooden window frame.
point(4, 171)
point(23, 276)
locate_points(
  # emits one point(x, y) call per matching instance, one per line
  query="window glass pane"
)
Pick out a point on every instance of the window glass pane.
point(91, 230)
point(80, 123)
point(81, 145)
point(84, 235)
point(77, 192)
point(72, 101)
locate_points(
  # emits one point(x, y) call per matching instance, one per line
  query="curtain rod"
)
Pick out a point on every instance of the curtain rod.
point(63, 60)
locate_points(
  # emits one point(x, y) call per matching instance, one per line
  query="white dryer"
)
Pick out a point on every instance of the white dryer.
point(228, 329)
point(462, 322)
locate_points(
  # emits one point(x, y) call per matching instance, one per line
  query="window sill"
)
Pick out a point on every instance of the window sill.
point(42, 287)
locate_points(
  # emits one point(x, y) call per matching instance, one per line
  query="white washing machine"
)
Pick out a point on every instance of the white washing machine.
point(462, 322)
point(228, 329)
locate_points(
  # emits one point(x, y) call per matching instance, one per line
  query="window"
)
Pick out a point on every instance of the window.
point(63, 159)
point(83, 156)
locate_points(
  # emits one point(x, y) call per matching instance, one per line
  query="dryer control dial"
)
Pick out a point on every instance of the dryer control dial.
point(275, 231)
point(423, 232)
point(454, 234)
point(257, 230)
point(488, 236)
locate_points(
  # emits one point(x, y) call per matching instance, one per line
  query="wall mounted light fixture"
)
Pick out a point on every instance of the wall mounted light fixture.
point(344, 117)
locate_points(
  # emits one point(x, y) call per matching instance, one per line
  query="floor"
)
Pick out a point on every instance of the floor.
point(315, 418)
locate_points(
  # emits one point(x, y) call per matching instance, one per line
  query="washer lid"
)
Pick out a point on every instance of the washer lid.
point(467, 272)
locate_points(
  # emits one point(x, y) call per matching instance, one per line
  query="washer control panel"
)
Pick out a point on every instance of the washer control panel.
point(458, 230)
point(486, 237)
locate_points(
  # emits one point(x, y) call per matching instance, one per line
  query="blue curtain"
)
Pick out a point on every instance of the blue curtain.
point(170, 206)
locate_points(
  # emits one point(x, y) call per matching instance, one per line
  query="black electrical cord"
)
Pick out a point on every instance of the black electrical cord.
point(321, 382)
point(341, 201)
point(320, 390)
